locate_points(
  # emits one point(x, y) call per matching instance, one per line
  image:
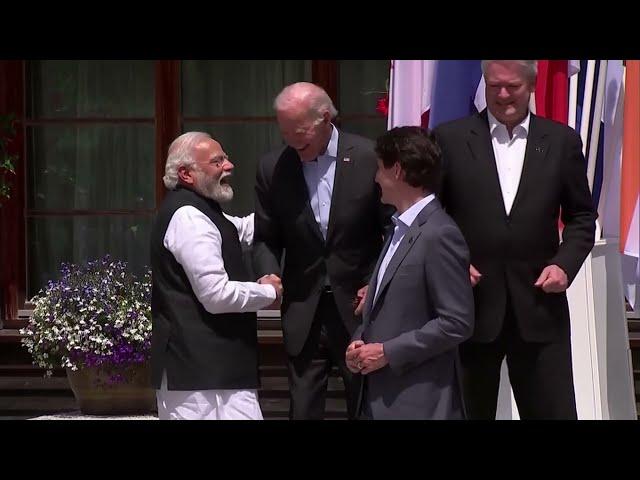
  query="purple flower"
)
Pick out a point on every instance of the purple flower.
point(88, 317)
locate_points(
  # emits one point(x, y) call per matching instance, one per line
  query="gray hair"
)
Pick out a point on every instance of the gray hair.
point(181, 155)
point(530, 67)
point(318, 100)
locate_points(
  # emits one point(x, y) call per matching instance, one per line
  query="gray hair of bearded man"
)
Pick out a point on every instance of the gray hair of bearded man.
point(181, 155)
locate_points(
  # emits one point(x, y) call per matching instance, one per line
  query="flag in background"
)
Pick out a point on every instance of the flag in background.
point(606, 187)
point(552, 90)
point(630, 184)
point(443, 90)
point(552, 94)
point(429, 92)
point(410, 87)
point(591, 109)
point(601, 83)
point(457, 91)
point(630, 170)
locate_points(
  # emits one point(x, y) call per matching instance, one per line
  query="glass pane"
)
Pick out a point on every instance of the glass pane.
point(212, 88)
point(91, 88)
point(360, 84)
point(245, 143)
point(91, 167)
point(53, 240)
point(369, 128)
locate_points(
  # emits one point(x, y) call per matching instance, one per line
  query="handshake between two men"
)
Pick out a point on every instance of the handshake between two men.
point(276, 283)
point(360, 357)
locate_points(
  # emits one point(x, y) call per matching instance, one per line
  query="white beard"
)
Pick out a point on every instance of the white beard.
point(213, 189)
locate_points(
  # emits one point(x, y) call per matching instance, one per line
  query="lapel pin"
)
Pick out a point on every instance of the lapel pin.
point(539, 149)
point(346, 159)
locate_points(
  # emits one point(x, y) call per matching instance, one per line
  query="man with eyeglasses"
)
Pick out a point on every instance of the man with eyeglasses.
point(318, 204)
point(204, 343)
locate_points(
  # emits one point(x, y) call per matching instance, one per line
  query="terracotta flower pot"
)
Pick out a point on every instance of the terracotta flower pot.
point(99, 393)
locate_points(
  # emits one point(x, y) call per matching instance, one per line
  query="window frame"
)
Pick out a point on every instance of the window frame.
point(168, 119)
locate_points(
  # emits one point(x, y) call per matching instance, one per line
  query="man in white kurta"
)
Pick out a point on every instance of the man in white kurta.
point(198, 163)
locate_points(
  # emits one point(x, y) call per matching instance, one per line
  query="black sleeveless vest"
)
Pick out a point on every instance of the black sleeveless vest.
point(198, 350)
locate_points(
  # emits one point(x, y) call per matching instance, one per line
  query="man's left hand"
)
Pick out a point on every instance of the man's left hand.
point(359, 300)
point(351, 356)
point(370, 358)
point(552, 280)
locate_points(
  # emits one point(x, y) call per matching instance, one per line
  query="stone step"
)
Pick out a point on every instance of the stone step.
point(281, 383)
point(31, 396)
point(335, 408)
point(36, 405)
point(32, 383)
point(24, 407)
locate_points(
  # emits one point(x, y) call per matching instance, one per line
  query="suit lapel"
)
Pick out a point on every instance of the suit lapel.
point(368, 303)
point(301, 192)
point(479, 142)
point(343, 177)
point(405, 246)
point(535, 153)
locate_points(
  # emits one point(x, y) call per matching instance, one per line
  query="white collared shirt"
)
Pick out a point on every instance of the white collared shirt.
point(402, 223)
point(509, 154)
point(196, 243)
point(319, 177)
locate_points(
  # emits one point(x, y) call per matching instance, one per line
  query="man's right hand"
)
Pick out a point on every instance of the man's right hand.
point(474, 275)
point(274, 281)
point(351, 356)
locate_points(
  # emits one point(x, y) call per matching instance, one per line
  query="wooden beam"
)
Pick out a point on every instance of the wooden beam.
point(325, 74)
point(168, 116)
point(12, 222)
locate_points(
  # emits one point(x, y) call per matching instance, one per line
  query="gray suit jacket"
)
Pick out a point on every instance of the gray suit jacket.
point(423, 311)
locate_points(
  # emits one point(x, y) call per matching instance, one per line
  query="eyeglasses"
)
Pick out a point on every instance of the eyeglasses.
point(219, 160)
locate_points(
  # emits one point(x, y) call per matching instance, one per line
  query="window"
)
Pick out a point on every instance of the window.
point(93, 136)
point(360, 84)
point(90, 164)
point(232, 100)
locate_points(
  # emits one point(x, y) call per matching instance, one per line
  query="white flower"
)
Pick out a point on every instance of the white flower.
point(63, 322)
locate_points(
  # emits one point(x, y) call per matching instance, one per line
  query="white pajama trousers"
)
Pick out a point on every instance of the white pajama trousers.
point(207, 404)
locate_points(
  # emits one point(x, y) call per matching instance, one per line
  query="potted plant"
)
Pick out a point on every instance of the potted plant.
point(95, 321)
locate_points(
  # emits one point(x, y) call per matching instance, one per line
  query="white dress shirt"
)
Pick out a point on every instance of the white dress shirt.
point(509, 154)
point(402, 223)
point(196, 243)
point(319, 176)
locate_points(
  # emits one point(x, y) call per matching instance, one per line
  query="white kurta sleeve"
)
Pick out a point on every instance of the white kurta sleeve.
point(196, 243)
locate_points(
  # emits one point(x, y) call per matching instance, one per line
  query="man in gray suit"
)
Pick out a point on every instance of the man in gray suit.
point(419, 304)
